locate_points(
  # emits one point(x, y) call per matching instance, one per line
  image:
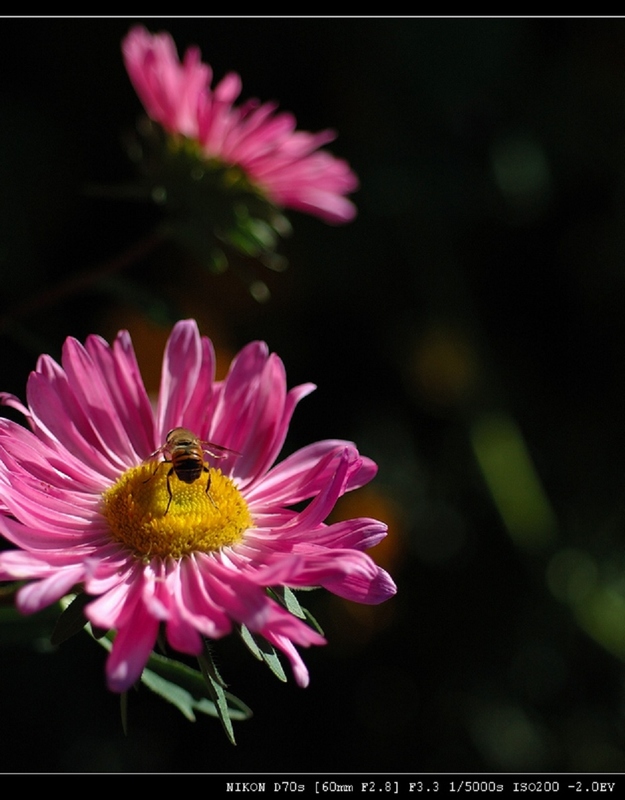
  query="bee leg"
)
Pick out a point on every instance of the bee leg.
point(208, 484)
point(156, 469)
point(169, 491)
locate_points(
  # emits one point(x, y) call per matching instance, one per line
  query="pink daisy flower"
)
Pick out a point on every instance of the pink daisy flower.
point(176, 534)
point(286, 165)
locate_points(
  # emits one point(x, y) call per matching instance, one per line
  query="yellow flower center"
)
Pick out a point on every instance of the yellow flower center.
point(154, 513)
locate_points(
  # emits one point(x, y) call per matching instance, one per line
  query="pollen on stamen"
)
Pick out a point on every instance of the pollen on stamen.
point(136, 509)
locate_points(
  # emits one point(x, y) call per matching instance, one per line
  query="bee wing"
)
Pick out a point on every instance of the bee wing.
point(155, 454)
point(217, 450)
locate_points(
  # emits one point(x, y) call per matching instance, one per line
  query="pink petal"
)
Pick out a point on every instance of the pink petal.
point(48, 460)
point(193, 601)
point(187, 371)
point(360, 534)
point(18, 565)
point(47, 545)
point(59, 417)
point(183, 635)
point(363, 588)
point(319, 508)
point(300, 671)
point(132, 647)
point(120, 372)
point(10, 400)
point(115, 607)
point(286, 629)
point(40, 594)
point(304, 473)
point(92, 393)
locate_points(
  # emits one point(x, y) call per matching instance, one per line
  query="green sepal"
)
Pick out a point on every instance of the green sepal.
point(98, 633)
point(248, 641)
point(263, 651)
point(287, 598)
point(72, 619)
point(210, 207)
point(313, 622)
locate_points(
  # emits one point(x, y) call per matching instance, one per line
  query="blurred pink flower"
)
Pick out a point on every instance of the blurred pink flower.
point(285, 164)
point(85, 502)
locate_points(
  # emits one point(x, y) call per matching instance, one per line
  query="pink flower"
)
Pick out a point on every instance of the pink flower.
point(285, 164)
point(88, 498)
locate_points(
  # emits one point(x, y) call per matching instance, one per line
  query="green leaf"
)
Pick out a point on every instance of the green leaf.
point(216, 690)
point(185, 688)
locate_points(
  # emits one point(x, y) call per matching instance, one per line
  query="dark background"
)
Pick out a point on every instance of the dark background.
point(467, 331)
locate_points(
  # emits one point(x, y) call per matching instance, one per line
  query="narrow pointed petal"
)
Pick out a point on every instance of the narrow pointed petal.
point(187, 374)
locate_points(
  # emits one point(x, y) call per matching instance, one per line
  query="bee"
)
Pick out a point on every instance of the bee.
point(186, 456)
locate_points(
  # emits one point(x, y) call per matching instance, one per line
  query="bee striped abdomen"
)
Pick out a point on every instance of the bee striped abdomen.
point(189, 467)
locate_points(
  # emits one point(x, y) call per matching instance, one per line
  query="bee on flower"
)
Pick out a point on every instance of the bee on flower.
point(83, 506)
point(186, 456)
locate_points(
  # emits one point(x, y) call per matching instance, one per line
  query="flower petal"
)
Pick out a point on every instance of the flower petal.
point(363, 588)
point(120, 373)
point(131, 649)
point(186, 380)
point(40, 594)
point(304, 473)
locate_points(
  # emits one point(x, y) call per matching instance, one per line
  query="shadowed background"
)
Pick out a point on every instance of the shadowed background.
point(467, 331)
